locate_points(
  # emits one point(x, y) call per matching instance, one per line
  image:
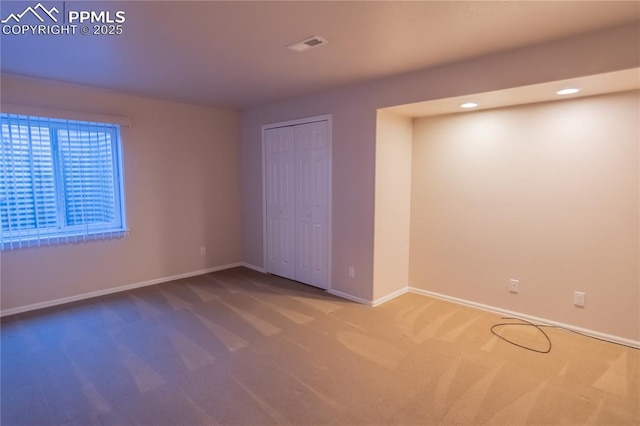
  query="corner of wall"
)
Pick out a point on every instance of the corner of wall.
point(394, 141)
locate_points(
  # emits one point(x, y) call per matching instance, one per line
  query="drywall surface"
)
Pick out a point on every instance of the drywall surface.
point(392, 203)
point(354, 132)
point(547, 194)
point(181, 169)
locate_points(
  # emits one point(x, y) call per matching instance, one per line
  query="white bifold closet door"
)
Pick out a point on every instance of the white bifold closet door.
point(297, 202)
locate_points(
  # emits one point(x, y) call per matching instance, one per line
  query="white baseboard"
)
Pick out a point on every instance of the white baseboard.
point(254, 267)
point(367, 302)
point(91, 294)
point(488, 308)
point(531, 318)
point(350, 297)
point(389, 296)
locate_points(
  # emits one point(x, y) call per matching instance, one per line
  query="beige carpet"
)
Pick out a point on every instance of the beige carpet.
point(239, 347)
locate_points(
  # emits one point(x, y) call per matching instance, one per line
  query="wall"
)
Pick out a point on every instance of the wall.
point(352, 185)
point(181, 165)
point(544, 193)
point(394, 141)
point(354, 132)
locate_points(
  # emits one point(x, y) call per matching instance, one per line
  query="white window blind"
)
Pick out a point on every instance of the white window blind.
point(60, 181)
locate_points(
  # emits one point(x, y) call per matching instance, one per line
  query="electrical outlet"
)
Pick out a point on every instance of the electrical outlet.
point(514, 286)
point(352, 272)
point(578, 298)
point(203, 251)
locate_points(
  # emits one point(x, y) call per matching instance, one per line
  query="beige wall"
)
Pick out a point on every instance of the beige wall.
point(394, 141)
point(181, 163)
point(547, 194)
point(182, 192)
point(352, 186)
point(354, 132)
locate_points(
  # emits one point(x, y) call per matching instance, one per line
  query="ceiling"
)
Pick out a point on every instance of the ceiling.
point(233, 55)
point(618, 81)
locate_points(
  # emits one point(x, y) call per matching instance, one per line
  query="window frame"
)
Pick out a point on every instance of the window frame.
point(63, 232)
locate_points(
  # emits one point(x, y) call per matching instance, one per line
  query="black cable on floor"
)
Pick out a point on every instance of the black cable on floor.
point(525, 323)
point(540, 327)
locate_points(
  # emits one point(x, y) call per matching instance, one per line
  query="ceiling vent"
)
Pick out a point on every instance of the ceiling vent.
point(307, 43)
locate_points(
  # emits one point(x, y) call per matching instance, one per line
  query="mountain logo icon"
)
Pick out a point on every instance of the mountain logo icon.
point(34, 11)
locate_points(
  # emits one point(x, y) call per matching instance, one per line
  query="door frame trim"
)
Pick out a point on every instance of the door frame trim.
point(328, 118)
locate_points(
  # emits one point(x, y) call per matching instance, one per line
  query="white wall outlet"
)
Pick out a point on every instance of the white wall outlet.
point(203, 251)
point(352, 272)
point(578, 298)
point(514, 285)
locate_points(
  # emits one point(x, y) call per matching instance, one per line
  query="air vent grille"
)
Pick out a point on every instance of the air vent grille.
point(307, 43)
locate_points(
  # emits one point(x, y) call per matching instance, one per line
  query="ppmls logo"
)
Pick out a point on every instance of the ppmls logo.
point(33, 11)
point(43, 20)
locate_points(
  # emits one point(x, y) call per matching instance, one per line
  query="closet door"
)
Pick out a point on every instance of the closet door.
point(311, 203)
point(297, 202)
point(280, 205)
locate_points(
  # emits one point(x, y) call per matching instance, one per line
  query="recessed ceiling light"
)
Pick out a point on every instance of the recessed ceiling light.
point(568, 91)
point(307, 43)
point(469, 105)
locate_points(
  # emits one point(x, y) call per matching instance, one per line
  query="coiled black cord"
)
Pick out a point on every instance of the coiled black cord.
point(540, 327)
point(525, 323)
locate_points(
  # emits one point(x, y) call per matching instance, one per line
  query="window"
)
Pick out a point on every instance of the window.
point(60, 181)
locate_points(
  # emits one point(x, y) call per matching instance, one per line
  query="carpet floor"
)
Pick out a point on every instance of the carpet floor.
point(238, 347)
